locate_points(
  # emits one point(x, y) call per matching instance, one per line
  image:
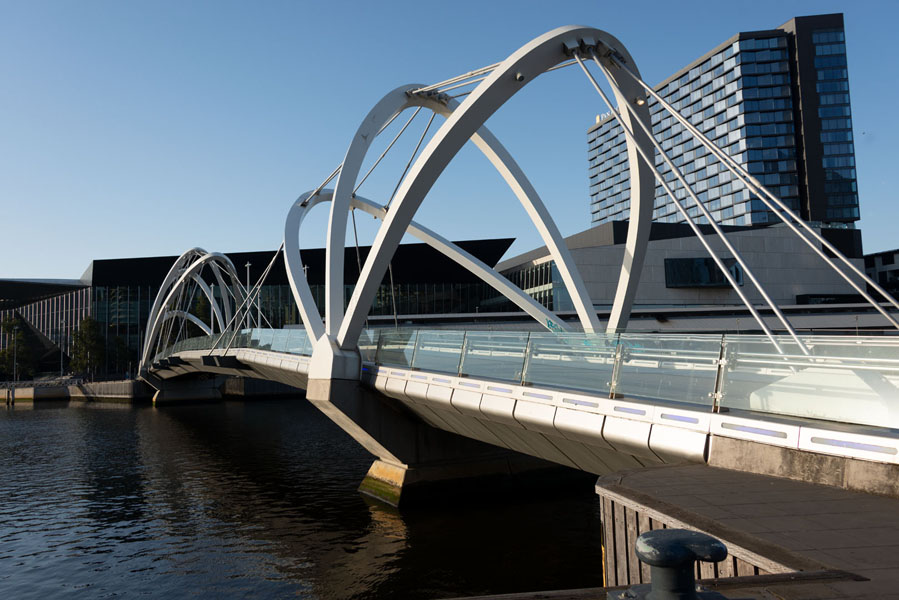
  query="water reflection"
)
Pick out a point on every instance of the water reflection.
point(253, 500)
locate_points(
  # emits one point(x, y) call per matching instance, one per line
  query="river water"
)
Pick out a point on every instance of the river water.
point(253, 500)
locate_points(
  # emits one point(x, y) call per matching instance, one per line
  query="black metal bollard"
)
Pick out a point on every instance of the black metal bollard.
point(672, 555)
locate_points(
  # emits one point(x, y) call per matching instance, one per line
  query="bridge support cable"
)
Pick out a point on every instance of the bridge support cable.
point(714, 224)
point(488, 275)
point(387, 207)
point(252, 295)
point(171, 322)
point(177, 295)
point(680, 207)
point(215, 313)
point(469, 75)
point(473, 77)
point(387, 108)
point(411, 158)
point(358, 255)
point(775, 204)
point(389, 146)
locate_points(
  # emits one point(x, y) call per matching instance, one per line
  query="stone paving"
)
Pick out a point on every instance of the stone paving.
point(837, 528)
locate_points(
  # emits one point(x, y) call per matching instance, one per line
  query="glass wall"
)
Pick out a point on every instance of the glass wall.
point(57, 317)
point(740, 98)
point(542, 282)
point(832, 86)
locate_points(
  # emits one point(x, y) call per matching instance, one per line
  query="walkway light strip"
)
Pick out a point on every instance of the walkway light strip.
point(681, 208)
point(705, 212)
point(769, 198)
point(389, 146)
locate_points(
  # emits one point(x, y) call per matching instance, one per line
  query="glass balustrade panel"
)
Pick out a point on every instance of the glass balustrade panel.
point(494, 355)
point(395, 347)
point(843, 379)
point(673, 368)
point(572, 361)
point(254, 337)
point(280, 340)
point(296, 341)
point(368, 344)
point(265, 338)
point(438, 351)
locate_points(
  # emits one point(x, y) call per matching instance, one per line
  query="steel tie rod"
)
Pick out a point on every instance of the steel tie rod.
point(680, 207)
point(717, 228)
point(780, 207)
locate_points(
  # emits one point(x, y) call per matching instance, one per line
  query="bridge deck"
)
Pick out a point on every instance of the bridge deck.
point(603, 403)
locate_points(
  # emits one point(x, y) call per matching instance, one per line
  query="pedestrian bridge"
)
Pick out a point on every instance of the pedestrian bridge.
point(604, 402)
point(424, 402)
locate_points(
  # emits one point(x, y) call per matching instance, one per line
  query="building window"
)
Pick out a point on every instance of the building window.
point(700, 272)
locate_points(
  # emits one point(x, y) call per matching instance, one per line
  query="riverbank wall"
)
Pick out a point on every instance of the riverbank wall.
point(139, 392)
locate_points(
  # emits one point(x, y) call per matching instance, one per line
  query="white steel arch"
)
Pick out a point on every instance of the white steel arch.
point(186, 272)
point(303, 295)
point(533, 59)
point(383, 113)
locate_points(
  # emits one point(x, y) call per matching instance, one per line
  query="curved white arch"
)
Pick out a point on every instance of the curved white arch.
point(507, 79)
point(213, 305)
point(171, 314)
point(187, 268)
point(383, 112)
point(303, 295)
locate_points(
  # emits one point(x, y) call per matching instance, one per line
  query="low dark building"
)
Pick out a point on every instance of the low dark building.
point(119, 294)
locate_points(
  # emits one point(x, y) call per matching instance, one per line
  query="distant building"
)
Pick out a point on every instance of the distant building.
point(777, 101)
point(119, 294)
point(883, 267)
point(679, 273)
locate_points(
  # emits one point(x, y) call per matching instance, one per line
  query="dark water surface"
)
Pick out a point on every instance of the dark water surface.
point(252, 500)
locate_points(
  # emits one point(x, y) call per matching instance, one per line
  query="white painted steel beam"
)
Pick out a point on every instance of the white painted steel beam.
point(303, 295)
point(384, 112)
point(186, 270)
point(506, 80)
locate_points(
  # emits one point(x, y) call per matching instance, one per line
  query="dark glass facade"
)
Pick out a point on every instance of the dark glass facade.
point(835, 113)
point(119, 294)
point(777, 101)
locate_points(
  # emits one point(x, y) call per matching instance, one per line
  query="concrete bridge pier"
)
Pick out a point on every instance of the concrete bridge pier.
point(413, 459)
point(182, 390)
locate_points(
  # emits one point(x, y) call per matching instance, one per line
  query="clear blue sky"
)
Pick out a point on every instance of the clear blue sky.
point(146, 128)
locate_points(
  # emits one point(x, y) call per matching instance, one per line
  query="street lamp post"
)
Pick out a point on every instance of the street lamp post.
point(248, 294)
point(62, 325)
point(15, 356)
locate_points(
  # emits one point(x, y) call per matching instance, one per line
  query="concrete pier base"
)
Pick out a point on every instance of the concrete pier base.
point(415, 460)
point(514, 474)
point(190, 391)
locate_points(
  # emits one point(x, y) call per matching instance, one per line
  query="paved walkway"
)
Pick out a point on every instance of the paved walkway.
point(804, 523)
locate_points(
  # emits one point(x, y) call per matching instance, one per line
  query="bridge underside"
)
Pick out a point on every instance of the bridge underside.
point(412, 456)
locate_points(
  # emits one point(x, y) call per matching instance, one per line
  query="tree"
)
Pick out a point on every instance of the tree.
point(119, 355)
point(19, 348)
point(87, 347)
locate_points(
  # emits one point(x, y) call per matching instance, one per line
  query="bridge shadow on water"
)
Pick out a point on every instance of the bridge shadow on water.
point(285, 477)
